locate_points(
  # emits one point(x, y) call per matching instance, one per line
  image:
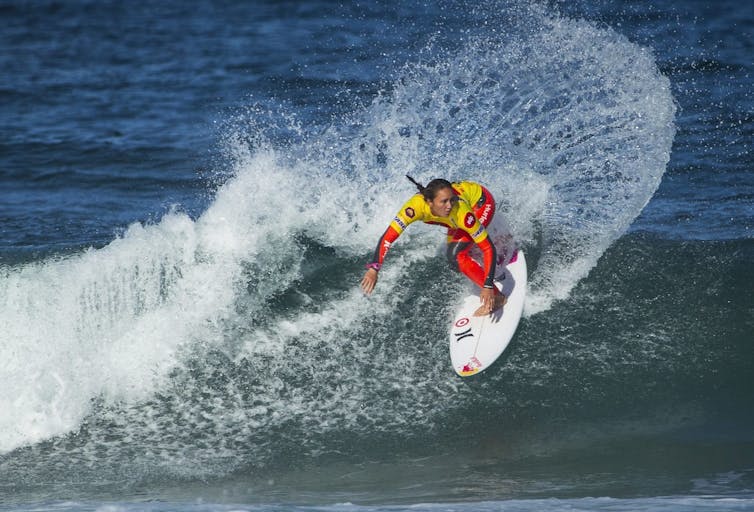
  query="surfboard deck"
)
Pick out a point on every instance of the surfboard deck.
point(477, 341)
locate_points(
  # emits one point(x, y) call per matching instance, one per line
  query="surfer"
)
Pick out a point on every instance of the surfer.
point(465, 208)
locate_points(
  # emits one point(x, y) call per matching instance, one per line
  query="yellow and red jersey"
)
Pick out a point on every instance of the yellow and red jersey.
point(461, 216)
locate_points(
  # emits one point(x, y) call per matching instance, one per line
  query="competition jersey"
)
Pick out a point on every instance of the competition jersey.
point(461, 217)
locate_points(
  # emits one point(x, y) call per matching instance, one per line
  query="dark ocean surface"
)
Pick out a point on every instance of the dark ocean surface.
point(189, 192)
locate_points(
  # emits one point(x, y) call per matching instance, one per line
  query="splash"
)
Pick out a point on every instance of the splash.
point(570, 125)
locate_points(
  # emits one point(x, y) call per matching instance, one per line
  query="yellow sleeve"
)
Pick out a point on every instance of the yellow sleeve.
point(468, 190)
point(411, 211)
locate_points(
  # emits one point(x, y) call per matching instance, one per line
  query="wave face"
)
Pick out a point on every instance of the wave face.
point(238, 342)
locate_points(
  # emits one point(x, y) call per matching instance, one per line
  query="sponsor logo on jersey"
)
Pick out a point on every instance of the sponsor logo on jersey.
point(469, 220)
point(478, 232)
point(410, 212)
point(485, 214)
point(398, 221)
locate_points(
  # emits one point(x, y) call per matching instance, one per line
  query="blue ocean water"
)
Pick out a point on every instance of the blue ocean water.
point(188, 192)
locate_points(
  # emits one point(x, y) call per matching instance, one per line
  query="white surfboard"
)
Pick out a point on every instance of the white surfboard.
point(477, 341)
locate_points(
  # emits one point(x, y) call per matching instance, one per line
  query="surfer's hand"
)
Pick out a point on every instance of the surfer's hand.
point(369, 281)
point(490, 305)
point(487, 298)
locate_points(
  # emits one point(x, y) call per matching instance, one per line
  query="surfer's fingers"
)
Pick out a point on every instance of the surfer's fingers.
point(368, 282)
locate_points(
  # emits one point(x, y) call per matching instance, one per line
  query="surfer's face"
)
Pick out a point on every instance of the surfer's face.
point(441, 205)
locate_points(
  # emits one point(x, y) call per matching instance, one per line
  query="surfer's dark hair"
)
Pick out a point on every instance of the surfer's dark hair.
point(433, 187)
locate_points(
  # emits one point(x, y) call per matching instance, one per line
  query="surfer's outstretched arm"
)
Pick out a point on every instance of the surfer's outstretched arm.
point(369, 281)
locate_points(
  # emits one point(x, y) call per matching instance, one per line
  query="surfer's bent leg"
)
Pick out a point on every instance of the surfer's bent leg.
point(460, 260)
point(453, 250)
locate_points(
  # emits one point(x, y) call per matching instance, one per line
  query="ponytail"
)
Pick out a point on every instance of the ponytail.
point(433, 187)
point(418, 185)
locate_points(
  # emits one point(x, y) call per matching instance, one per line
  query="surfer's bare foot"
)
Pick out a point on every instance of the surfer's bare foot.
point(484, 309)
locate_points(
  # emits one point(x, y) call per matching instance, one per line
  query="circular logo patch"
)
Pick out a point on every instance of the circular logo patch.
point(469, 220)
point(410, 213)
point(462, 321)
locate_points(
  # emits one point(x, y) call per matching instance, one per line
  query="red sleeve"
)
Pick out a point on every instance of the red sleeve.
point(387, 239)
point(490, 257)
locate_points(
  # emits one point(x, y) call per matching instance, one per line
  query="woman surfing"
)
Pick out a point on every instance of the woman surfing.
point(465, 208)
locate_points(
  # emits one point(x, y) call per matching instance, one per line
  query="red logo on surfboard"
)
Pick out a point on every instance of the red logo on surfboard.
point(462, 321)
point(472, 367)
